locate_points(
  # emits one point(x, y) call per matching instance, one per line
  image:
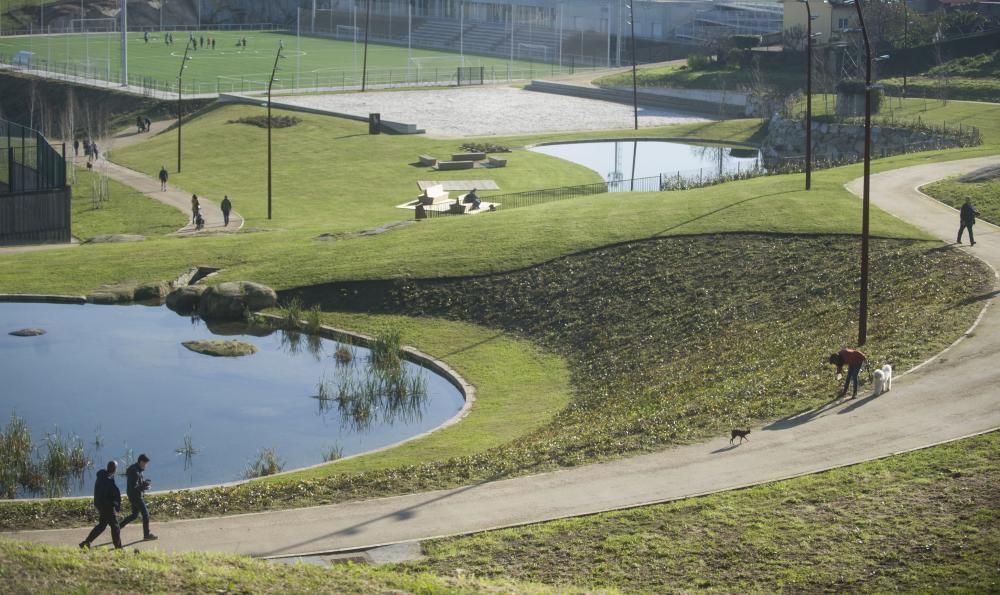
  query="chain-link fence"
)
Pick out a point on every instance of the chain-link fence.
point(29, 163)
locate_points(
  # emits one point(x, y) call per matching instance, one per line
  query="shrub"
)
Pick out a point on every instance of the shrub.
point(261, 121)
point(700, 62)
point(267, 463)
point(386, 349)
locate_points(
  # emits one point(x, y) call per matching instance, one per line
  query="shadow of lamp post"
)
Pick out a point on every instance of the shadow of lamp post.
point(180, 110)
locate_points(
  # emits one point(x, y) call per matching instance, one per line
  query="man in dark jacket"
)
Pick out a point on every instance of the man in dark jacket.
point(968, 219)
point(108, 501)
point(135, 485)
point(227, 206)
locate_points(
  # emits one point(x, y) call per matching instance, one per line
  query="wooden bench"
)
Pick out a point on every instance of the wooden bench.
point(494, 162)
point(434, 195)
point(468, 156)
point(453, 165)
point(427, 160)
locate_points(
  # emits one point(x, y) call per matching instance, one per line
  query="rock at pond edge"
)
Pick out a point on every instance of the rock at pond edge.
point(221, 348)
point(28, 332)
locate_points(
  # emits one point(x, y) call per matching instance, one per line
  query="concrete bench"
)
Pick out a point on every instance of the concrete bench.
point(453, 165)
point(427, 160)
point(468, 156)
point(434, 195)
point(494, 162)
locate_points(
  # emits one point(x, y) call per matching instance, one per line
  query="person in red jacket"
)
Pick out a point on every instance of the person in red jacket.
point(853, 359)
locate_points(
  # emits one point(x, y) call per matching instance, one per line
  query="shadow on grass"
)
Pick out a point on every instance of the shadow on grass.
point(473, 346)
point(983, 297)
point(719, 210)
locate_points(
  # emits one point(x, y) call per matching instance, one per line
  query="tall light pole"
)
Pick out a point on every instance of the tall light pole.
point(866, 193)
point(364, 61)
point(124, 66)
point(180, 110)
point(635, 80)
point(809, 101)
point(906, 40)
point(270, 83)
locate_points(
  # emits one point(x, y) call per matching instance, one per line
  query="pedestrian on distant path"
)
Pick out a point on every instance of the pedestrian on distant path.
point(149, 124)
point(76, 147)
point(93, 151)
point(86, 148)
point(194, 208)
point(853, 359)
point(135, 486)
point(968, 216)
point(108, 501)
point(227, 206)
point(202, 40)
point(139, 124)
point(163, 178)
point(145, 36)
point(213, 43)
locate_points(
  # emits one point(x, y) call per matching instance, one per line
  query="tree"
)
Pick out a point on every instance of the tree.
point(964, 22)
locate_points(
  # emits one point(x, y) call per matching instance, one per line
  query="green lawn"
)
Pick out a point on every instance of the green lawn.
point(684, 77)
point(38, 569)
point(985, 196)
point(127, 211)
point(310, 62)
point(928, 521)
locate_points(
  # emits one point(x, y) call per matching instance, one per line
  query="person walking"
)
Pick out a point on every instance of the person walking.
point(213, 43)
point(194, 208)
point(149, 124)
point(94, 151)
point(135, 485)
point(967, 217)
point(853, 359)
point(76, 147)
point(226, 206)
point(163, 178)
point(108, 501)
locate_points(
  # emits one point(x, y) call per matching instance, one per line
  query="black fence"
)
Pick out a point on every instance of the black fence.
point(28, 163)
point(470, 75)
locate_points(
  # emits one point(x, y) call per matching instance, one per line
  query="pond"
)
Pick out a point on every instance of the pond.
point(613, 160)
point(118, 378)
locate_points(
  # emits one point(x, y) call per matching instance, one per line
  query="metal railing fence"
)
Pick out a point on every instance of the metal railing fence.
point(28, 163)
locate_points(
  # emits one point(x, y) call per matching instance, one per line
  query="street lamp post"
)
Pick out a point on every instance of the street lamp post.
point(270, 84)
point(180, 111)
point(809, 68)
point(364, 61)
point(906, 40)
point(635, 83)
point(866, 193)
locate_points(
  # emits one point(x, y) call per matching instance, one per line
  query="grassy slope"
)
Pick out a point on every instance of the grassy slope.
point(972, 78)
point(985, 196)
point(928, 521)
point(682, 77)
point(637, 345)
point(128, 211)
point(38, 569)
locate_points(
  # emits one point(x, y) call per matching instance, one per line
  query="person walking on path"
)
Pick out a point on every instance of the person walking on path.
point(108, 501)
point(853, 359)
point(163, 178)
point(968, 216)
point(135, 485)
point(226, 206)
point(194, 208)
point(76, 147)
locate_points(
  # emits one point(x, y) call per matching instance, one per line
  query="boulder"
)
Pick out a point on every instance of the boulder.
point(221, 348)
point(229, 301)
point(184, 300)
point(28, 332)
point(155, 291)
point(113, 294)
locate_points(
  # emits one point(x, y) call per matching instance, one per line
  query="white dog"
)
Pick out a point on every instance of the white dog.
point(882, 382)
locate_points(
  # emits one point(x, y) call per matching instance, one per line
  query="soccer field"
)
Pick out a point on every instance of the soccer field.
point(309, 62)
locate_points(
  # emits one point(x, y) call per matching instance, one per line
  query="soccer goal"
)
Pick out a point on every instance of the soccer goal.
point(533, 51)
point(347, 32)
point(102, 25)
point(429, 68)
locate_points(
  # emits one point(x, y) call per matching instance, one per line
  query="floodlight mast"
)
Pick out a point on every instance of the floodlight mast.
point(809, 68)
point(180, 111)
point(364, 63)
point(635, 83)
point(270, 84)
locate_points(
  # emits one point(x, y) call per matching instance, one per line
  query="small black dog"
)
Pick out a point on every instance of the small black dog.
point(741, 434)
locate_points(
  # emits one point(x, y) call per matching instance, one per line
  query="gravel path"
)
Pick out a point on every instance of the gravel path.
point(491, 111)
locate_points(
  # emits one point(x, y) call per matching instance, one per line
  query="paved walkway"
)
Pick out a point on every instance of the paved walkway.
point(149, 184)
point(955, 395)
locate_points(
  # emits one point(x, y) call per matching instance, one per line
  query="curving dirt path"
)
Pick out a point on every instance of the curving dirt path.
point(954, 395)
